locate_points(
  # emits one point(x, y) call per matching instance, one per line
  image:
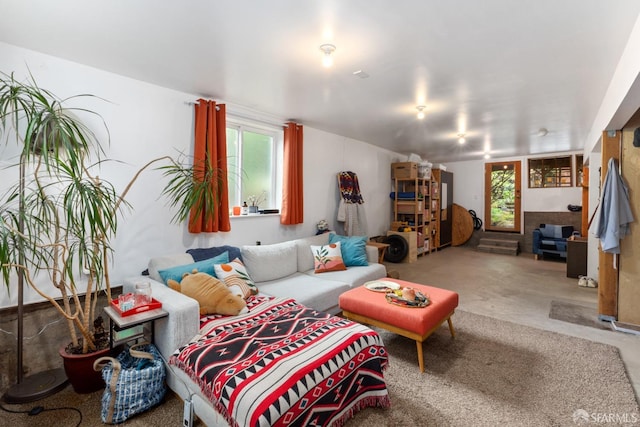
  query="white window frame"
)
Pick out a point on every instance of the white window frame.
point(241, 125)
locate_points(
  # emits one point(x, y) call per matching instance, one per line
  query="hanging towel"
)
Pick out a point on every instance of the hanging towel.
point(615, 211)
point(349, 188)
point(342, 211)
point(352, 221)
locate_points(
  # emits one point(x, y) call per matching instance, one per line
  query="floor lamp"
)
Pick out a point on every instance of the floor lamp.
point(42, 384)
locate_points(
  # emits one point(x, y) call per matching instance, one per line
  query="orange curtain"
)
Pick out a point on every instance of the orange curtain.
point(210, 152)
point(292, 188)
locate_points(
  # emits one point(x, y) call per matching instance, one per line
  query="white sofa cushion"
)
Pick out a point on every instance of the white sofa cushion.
point(320, 294)
point(305, 257)
point(168, 261)
point(269, 262)
point(353, 276)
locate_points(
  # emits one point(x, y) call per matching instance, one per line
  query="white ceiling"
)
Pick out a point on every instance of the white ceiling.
point(497, 70)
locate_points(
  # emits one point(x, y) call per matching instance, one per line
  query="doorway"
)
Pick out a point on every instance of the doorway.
point(502, 196)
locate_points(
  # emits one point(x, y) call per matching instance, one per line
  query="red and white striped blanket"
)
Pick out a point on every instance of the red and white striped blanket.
point(286, 364)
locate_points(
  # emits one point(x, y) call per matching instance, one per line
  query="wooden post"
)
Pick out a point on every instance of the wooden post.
point(584, 229)
point(608, 274)
point(629, 268)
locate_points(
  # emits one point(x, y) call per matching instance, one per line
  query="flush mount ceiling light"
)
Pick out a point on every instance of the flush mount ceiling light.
point(420, 109)
point(327, 58)
point(461, 139)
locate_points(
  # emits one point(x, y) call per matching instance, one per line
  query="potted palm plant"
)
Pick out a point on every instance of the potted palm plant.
point(58, 219)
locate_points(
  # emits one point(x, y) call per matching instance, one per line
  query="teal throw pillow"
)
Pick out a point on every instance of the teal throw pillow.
point(204, 266)
point(354, 252)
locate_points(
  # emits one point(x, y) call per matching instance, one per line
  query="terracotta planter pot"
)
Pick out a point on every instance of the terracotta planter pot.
point(79, 370)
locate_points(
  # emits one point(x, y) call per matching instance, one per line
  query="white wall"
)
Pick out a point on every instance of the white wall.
point(620, 101)
point(468, 188)
point(468, 185)
point(147, 121)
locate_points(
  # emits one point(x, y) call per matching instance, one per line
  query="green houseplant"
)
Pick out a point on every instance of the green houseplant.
point(59, 218)
point(56, 220)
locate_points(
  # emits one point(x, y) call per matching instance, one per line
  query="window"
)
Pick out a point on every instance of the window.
point(550, 172)
point(253, 154)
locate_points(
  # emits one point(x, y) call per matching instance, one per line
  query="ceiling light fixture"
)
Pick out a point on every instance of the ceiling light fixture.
point(327, 58)
point(543, 132)
point(461, 139)
point(420, 109)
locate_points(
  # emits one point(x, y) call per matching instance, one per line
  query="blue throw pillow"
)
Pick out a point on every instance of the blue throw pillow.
point(354, 252)
point(204, 266)
point(199, 254)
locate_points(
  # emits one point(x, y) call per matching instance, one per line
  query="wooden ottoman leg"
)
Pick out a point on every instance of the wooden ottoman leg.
point(453, 331)
point(420, 358)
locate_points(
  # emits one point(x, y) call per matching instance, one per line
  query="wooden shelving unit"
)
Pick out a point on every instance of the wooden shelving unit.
point(412, 205)
point(435, 213)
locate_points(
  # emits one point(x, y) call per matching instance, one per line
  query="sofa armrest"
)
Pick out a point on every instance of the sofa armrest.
point(537, 238)
point(183, 321)
point(372, 254)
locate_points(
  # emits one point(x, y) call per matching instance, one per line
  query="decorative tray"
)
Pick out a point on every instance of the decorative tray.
point(420, 301)
point(136, 309)
point(381, 286)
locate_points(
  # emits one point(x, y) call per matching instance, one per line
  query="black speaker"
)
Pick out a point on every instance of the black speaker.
point(636, 137)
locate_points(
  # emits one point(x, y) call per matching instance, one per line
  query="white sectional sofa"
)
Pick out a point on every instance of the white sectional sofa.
point(283, 270)
point(286, 270)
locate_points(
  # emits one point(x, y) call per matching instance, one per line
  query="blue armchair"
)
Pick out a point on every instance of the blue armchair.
point(550, 239)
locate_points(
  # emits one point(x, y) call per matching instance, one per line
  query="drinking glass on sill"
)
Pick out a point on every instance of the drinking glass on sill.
point(143, 293)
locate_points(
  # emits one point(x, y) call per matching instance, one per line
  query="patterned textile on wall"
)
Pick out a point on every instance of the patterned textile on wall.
point(349, 209)
point(349, 187)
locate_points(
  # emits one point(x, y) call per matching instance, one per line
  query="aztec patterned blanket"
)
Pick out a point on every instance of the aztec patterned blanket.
point(286, 364)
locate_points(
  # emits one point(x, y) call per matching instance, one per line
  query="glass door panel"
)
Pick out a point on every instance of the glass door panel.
point(502, 196)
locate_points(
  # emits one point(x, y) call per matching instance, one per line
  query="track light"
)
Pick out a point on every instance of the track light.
point(327, 58)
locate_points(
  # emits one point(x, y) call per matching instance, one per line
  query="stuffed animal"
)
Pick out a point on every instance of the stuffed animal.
point(212, 295)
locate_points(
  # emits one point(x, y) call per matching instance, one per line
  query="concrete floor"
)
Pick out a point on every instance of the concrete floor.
point(518, 289)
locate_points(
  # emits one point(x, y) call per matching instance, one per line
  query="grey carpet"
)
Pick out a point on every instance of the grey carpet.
point(493, 373)
point(577, 314)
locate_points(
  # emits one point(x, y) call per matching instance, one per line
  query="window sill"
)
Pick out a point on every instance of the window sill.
point(253, 215)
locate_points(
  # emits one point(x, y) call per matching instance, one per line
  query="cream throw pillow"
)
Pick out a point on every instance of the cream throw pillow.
point(235, 276)
point(327, 258)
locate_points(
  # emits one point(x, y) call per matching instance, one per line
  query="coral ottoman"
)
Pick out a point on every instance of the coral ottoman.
point(365, 306)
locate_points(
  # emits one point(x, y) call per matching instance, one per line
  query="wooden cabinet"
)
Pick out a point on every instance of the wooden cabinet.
point(412, 205)
point(412, 240)
point(577, 257)
point(442, 207)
